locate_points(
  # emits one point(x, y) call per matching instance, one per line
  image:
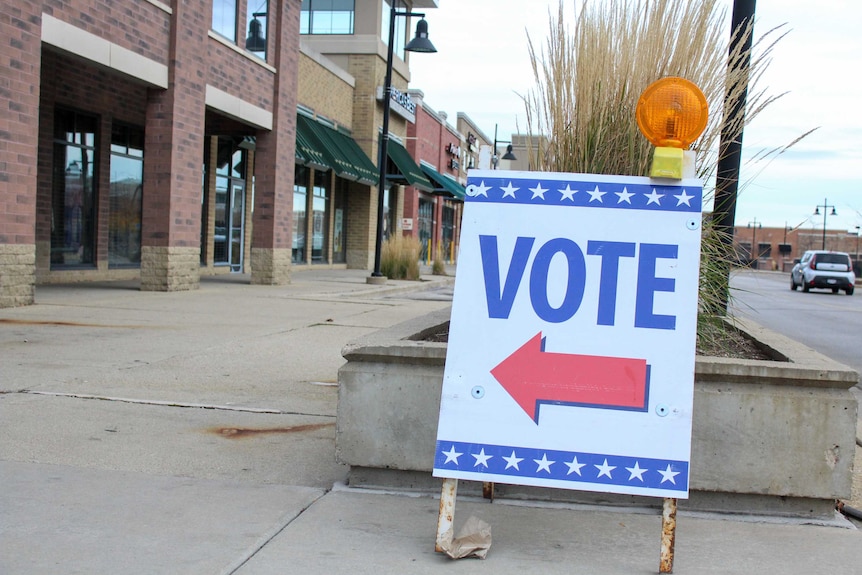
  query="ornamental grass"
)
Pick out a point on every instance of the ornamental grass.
point(590, 73)
point(399, 257)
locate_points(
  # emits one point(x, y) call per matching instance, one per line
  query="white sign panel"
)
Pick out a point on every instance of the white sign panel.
point(571, 350)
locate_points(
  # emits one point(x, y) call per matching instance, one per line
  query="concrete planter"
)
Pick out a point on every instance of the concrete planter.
point(773, 437)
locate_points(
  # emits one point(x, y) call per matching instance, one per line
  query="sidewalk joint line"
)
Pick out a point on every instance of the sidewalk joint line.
point(170, 403)
point(264, 540)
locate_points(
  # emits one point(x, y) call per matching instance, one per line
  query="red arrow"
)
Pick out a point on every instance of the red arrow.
point(532, 377)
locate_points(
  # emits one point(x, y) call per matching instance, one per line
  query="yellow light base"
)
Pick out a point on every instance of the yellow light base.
point(667, 163)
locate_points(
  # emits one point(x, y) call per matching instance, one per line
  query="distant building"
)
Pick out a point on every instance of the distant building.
point(777, 248)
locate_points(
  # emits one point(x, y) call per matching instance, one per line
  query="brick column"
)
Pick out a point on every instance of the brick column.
point(20, 55)
point(275, 159)
point(170, 255)
point(362, 219)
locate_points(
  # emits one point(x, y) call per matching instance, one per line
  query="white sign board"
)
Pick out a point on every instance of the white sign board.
point(571, 350)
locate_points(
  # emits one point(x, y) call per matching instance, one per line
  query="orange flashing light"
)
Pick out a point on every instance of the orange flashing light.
point(672, 113)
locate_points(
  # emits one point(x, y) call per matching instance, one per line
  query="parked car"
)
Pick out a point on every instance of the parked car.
point(822, 269)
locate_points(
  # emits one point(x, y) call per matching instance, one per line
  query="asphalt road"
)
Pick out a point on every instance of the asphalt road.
point(829, 323)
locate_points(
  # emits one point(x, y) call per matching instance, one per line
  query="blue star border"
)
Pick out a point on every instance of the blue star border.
point(586, 193)
point(565, 466)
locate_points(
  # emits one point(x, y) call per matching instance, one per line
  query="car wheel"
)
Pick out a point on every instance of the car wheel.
point(805, 288)
point(849, 291)
point(793, 284)
point(834, 290)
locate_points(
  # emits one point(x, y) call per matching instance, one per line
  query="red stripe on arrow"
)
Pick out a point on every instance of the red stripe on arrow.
point(532, 376)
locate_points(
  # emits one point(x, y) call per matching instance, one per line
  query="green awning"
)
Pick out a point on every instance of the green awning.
point(307, 153)
point(340, 151)
point(445, 184)
point(410, 173)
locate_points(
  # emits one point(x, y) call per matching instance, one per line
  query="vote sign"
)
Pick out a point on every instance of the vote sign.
point(570, 361)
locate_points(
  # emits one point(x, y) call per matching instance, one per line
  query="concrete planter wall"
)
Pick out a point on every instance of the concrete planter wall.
point(773, 437)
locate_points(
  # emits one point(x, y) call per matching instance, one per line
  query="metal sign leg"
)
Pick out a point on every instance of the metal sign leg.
point(668, 535)
point(446, 518)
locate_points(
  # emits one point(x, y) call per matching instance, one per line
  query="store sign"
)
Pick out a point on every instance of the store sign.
point(407, 224)
point(400, 103)
point(570, 361)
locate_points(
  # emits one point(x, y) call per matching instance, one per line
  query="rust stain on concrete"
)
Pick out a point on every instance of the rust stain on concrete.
point(246, 432)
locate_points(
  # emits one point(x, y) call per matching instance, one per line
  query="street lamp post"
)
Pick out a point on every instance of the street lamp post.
point(507, 156)
point(857, 245)
point(755, 253)
point(825, 206)
point(420, 43)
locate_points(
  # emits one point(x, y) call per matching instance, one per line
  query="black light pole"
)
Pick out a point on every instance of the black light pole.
point(755, 253)
point(507, 156)
point(825, 206)
point(420, 43)
point(857, 244)
point(730, 148)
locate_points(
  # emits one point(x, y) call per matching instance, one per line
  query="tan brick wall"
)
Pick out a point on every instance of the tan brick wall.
point(324, 92)
point(369, 72)
point(270, 266)
point(17, 275)
point(361, 223)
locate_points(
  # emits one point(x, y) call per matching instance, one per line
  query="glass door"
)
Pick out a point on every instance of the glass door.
point(237, 210)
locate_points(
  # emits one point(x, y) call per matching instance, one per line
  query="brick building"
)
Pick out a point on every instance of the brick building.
point(777, 248)
point(160, 139)
point(434, 215)
point(140, 138)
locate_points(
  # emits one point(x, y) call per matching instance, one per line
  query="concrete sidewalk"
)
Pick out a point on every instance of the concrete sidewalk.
point(193, 433)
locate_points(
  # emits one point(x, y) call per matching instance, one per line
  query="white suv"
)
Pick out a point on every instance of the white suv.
point(823, 269)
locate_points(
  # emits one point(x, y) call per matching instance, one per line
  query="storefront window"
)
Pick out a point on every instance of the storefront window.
point(300, 196)
point(320, 217)
point(426, 225)
point(73, 212)
point(339, 225)
point(448, 231)
point(126, 194)
point(390, 204)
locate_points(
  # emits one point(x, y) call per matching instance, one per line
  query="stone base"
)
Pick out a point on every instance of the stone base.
point(170, 268)
point(270, 267)
point(17, 275)
point(376, 280)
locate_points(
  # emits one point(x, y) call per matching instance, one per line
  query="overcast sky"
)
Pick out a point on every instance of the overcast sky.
point(482, 67)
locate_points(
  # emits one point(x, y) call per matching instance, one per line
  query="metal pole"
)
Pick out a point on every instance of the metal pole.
point(383, 155)
point(446, 516)
point(384, 144)
point(857, 243)
point(668, 535)
point(755, 252)
point(730, 148)
point(825, 206)
point(823, 245)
